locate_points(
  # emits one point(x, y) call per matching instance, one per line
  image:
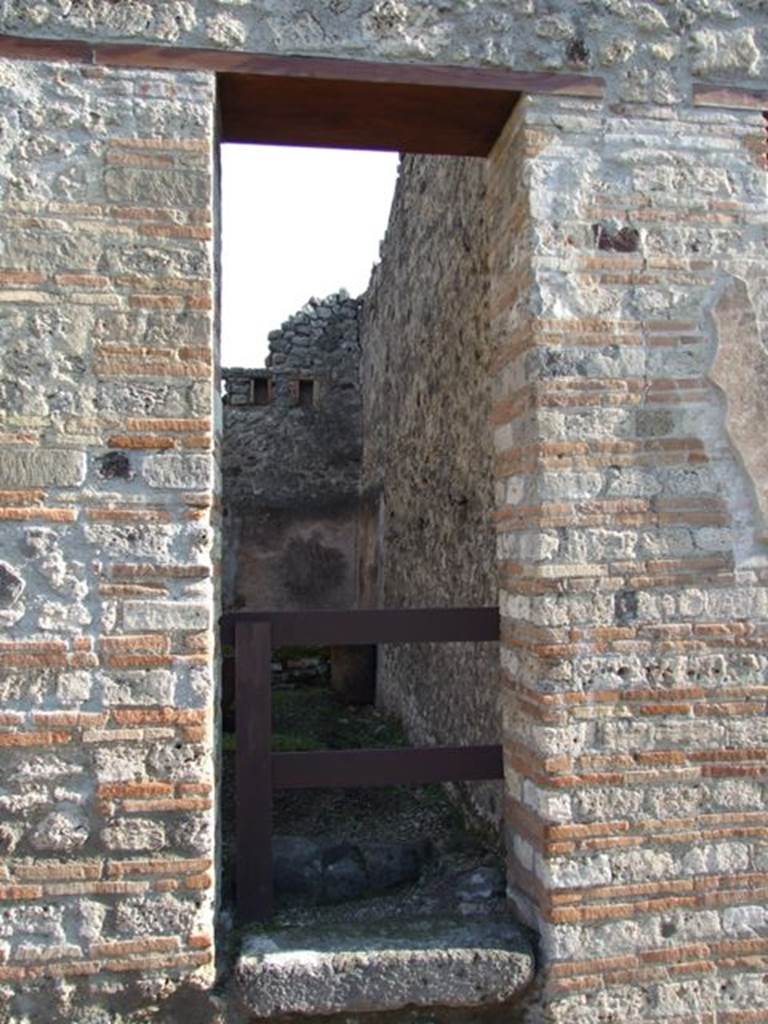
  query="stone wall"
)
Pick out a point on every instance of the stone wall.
point(428, 532)
point(628, 322)
point(628, 266)
point(291, 464)
point(106, 599)
point(648, 52)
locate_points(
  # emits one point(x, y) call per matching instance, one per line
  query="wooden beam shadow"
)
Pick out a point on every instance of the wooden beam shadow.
point(454, 121)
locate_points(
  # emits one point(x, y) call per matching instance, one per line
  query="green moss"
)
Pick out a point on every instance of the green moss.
point(312, 715)
point(285, 742)
point(311, 718)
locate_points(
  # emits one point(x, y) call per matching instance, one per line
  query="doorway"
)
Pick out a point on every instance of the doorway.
point(426, 474)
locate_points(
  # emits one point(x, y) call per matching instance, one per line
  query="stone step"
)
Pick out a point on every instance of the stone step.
point(384, 965)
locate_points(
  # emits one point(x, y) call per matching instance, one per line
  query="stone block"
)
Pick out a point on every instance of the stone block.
point(119, 763)
point(166, 615)
point(745, 922)
point(132, 541)
point(359, 969)
point(134, 834)
point(716, 858)
point(191, 472)
point(137, 186)
point(155, 915)
point(143, 687)
point(61, 832)
point(567, 873)
point(74, 687)
point(41, 467)
point(732, 50)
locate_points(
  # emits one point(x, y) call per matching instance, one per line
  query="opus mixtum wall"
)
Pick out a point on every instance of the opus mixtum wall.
point(627, 209)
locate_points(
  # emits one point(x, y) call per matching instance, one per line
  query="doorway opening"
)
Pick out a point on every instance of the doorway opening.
point(420, 532)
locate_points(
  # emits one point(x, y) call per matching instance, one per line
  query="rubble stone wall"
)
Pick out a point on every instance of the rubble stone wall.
point(628, 267)
point(106, 565)
point(648, 52)
point(428, 450)
point(291, 466)
point(628, 314)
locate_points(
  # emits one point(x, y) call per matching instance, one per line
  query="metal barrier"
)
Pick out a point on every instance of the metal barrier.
point(259, 772)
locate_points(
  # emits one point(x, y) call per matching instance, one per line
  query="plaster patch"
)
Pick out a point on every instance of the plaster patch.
point(740, 370)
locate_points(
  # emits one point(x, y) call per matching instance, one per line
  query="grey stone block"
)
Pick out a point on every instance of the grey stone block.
point(166, 615)
point(344, 873)
point(61, 831)
point(390, 864)
point(298, 865)
point(42, 468)
point(155, 188)
point(333, 872)
point(484, 883)
point(384, 966)
point(177, 471)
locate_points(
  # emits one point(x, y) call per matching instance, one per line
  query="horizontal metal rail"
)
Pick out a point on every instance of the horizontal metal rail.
point(410, 766)
point(259, 772)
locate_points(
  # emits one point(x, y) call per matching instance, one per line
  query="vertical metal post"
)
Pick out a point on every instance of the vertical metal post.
point(253, 769)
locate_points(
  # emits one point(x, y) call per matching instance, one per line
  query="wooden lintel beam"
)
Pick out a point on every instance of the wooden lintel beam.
point(134, 55)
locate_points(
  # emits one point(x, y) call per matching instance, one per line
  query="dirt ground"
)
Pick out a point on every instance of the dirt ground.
point(309, 717)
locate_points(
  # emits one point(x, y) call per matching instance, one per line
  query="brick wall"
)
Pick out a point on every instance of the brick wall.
point(628, 308)
point(106, 600)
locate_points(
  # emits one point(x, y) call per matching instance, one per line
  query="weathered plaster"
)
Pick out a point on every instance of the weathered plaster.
point(740, 369)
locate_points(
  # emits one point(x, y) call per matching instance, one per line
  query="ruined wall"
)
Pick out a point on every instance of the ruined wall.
point(291, 466)
point(428, 454)
point(647, 51)
point(628, 270)
point(106, 601)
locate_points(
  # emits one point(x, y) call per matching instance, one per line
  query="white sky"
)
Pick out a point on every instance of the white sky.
point(296, 223)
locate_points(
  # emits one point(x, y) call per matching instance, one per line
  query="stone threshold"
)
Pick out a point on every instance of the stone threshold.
point(381, 966)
